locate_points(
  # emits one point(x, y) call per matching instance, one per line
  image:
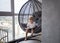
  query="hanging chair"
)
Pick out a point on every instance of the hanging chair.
point(30, 8)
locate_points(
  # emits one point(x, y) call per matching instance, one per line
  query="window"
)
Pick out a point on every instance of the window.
point(5, 5)
point(6, 21)
point(6, 24)
point(19, 33)
point(18, 4)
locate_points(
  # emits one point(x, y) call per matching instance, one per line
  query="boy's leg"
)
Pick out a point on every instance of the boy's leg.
point(32, 31)
point(26, 34)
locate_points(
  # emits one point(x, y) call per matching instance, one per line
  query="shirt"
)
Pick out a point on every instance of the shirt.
point(31, 25)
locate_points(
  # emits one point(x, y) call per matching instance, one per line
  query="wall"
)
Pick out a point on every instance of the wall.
point(51, 21)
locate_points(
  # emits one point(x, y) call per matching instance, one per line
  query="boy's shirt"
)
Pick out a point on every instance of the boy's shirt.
point(29, 25)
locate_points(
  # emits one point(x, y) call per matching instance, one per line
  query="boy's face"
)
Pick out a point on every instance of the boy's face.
point(31, 21)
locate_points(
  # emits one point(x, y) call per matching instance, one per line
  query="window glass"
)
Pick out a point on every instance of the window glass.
point(18, 4)
point(5, 5)
point(6, 24)
point(19, 33)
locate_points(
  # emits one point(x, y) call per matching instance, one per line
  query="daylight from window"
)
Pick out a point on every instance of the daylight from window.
point(5, 5)
point(19, 33)
point(18, 4)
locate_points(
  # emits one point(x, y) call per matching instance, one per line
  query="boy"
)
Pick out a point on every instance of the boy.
point(30, 25)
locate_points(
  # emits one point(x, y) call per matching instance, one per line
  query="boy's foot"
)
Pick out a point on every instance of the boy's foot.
point(25, 39)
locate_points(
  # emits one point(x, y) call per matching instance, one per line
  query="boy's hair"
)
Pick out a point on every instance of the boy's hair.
point(31, 18)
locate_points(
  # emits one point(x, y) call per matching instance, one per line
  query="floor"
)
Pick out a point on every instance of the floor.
point(30, 41)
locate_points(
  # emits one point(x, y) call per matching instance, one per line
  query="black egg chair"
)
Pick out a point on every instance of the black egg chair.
point(30, 8)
